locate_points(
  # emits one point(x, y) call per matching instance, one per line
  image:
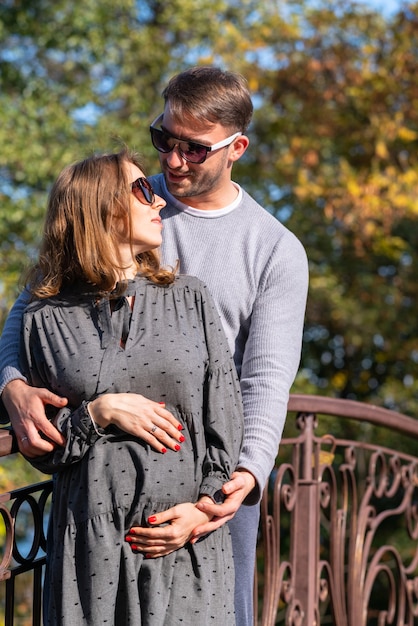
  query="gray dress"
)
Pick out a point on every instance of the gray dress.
point(105, 481)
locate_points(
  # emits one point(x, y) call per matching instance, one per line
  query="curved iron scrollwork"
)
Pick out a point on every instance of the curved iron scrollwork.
point(8, 545)
point(340, 525)
point(25, 515)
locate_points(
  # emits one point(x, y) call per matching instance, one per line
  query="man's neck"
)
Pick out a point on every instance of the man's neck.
point(212, 201)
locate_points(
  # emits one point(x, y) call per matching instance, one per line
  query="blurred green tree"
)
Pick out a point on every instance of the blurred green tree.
point(335, 146)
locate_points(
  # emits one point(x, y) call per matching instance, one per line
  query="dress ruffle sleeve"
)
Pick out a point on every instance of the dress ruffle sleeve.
point(80, 433)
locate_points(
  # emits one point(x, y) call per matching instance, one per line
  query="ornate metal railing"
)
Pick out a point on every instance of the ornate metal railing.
point(339, 526)
point(23, 513)
point(340, 521)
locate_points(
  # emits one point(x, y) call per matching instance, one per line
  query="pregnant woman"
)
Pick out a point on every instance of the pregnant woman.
point(107, 327)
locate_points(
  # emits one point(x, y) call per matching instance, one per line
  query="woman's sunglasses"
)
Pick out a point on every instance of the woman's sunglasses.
point(143, 191)
point(189, 150)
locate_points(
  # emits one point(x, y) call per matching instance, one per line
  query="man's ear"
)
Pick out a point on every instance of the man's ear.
point(238, 147)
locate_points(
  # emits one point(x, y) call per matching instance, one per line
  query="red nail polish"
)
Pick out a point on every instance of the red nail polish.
point(179, 427)
point(129, 539)
point(163, 450)
point(177, 447)
point(152, 519)
point(162, 403)
point(182, 438)
point(148, 556)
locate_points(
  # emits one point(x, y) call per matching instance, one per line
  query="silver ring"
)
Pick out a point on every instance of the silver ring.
point(153, 429)
point(22, 439)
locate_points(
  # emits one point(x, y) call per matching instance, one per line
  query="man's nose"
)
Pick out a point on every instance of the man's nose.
point(174, 158)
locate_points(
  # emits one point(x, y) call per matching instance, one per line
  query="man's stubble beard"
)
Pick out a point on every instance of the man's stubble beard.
point(200, 182)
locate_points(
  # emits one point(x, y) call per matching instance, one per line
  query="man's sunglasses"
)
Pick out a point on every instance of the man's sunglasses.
point(189, 150)
point(143, 191)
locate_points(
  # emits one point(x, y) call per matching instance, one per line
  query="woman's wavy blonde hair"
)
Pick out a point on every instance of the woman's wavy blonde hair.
point(86, 206)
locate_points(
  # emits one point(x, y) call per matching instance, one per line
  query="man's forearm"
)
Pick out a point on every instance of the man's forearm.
point(9, 343)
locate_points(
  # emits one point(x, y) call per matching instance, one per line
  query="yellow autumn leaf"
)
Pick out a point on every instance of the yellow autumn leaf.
point(381, 149)
point(407, 134)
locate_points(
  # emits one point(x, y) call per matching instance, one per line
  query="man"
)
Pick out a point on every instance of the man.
point(257, 272)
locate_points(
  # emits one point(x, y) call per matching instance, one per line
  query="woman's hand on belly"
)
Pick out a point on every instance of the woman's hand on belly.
point(180, 521)
point(140, 417)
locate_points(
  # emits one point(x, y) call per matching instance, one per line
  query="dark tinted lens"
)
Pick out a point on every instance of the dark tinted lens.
point(147, 190)
point(193, 152)
point(160, 140)
point(163, 142)
point(143, 190)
